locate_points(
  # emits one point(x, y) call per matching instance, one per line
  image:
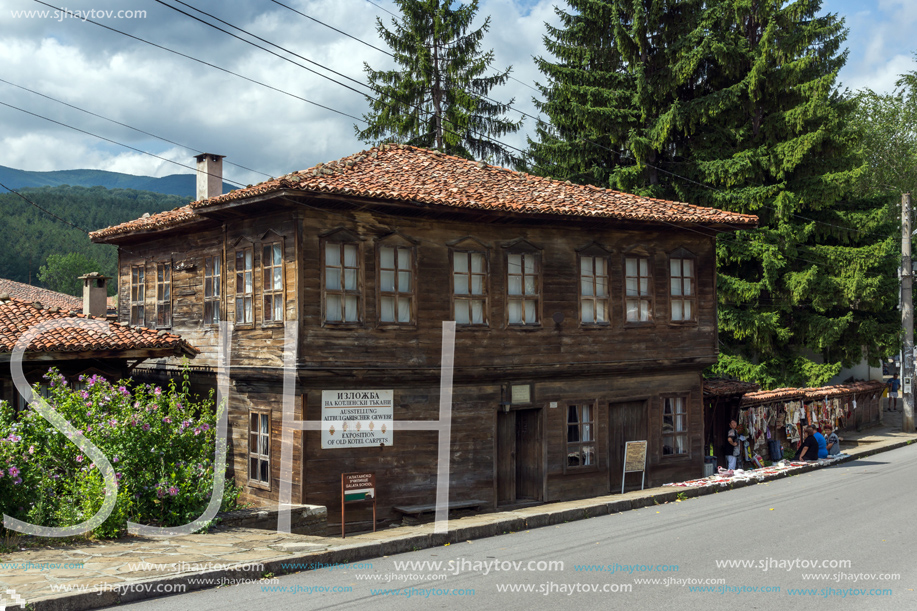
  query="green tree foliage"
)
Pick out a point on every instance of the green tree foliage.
point(30, 235)
point(737, 109)
point(886, 126)
point(437, 97)
point(61, 272)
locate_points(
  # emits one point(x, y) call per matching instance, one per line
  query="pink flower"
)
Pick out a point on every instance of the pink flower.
point(173, 491)
point(79, 458)
point(14, 471)
point(146, 426)
point(1, 473)
point(17, 481)
point(197, 431)
point(84, 394)
point(31, 449)
point(167, 420)
point(115, 459)
point(112, 423)
point(117, 477)
point(157, 391)
point(205, 427)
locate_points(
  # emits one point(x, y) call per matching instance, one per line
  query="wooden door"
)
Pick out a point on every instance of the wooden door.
point(506, 458)
point(529, 484)
point(626, 422)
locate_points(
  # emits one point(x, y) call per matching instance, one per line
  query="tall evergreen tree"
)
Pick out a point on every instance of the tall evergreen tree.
point(621, 72)
point(739, 111)
point(437, 97)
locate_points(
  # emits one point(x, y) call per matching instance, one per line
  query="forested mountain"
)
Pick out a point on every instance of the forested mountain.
point(183, 185)
point(29, 235)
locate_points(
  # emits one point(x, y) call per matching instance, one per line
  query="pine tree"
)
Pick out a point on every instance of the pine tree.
point(814, 288)
point(438, 95)
point(733, 104)
point(622, 70)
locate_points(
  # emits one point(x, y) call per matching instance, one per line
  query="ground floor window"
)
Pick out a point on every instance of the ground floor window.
point(580, 435)
point(259, 448)
point(674, 426)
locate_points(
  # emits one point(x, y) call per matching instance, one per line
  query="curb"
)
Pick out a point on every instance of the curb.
point(512, 521)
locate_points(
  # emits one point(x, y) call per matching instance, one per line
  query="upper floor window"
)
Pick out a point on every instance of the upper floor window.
point(637, 289)
point(674, 426)
point(163, 294)
point(523, 286)
point(682, 286)
point(342, 282)
point(244, 287)
point(212, 284)
point(396, 284)
point(138, 294)
point(272, 281)
point(469, 286)
point(593, 278)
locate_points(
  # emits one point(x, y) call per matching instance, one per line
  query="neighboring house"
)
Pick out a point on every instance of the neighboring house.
point(585, 317)
point(33, 294)
point(75, 351)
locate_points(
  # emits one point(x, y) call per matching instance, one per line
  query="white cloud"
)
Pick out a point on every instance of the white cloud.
point(209, 110)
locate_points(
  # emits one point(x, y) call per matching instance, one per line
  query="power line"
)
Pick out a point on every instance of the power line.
point(334, 28)
point(89, 112)
point(200, 61)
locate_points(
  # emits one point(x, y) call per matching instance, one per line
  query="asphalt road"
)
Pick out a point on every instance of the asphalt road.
point(856, 518)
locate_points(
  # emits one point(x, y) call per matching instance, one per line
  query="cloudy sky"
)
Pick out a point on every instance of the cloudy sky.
point(204, 109)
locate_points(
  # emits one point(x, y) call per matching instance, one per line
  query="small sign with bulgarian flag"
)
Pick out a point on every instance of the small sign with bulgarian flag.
point(358, 486)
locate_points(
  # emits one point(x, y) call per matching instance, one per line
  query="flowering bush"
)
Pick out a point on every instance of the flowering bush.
point(159, 442)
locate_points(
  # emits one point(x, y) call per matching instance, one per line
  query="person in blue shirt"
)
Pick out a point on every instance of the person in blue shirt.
point(893, 385)
point(822, 444)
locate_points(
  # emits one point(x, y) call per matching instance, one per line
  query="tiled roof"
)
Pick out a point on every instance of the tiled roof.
point(724, 388)
point(403, 173)
point(30, 293)
point(769, 396)
point(17, 316)
point(161, 220)
point(813, 394)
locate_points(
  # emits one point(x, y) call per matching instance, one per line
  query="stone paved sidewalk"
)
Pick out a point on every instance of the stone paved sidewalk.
point(137, 568)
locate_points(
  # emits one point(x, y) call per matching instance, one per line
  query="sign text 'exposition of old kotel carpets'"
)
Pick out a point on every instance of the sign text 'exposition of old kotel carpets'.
point(357, 418)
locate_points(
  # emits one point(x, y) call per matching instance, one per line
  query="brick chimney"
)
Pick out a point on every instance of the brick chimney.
point(95, 294)
point(209, 175)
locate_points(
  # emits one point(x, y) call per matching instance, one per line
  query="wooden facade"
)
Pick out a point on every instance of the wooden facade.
point(547, 387)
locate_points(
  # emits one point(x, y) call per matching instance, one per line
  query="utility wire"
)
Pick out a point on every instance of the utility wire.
point(89, 112)
point(200, 61)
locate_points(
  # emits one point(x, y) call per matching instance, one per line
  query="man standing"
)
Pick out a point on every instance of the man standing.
point(732, 438)
point(893, 385)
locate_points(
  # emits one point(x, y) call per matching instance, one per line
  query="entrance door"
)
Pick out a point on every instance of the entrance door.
point(626, 422)
point(519, 456)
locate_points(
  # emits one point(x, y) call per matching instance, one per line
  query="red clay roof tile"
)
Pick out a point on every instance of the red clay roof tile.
point(17, 316)
point(27, 292)
point(410, 174)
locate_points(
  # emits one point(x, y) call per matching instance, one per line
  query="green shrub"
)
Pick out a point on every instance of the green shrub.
point(160, 443)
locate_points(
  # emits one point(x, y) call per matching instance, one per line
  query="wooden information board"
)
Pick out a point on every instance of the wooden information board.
point(634, 460)
point(357, 487)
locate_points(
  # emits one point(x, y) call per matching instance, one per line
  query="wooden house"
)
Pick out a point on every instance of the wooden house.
point(584, 319)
